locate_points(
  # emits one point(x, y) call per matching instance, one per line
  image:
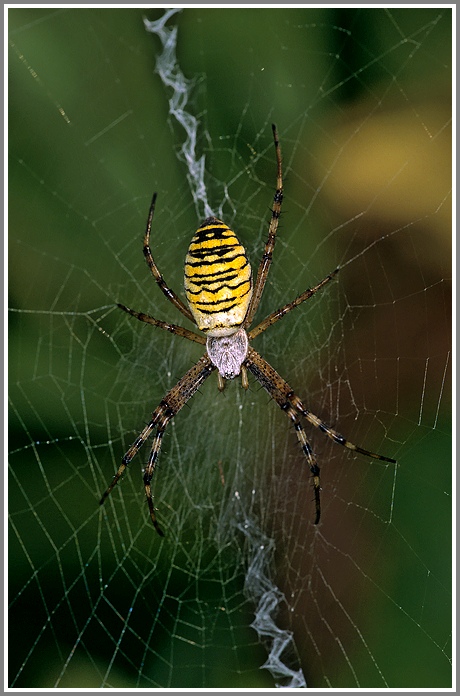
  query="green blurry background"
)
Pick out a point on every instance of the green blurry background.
point(362, 103)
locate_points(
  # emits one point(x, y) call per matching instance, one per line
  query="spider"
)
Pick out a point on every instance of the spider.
point(222, 301)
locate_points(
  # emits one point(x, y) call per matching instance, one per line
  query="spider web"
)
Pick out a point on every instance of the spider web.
point(244, 591)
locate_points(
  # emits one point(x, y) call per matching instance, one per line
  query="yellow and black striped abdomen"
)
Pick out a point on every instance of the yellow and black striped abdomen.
point(217, 280)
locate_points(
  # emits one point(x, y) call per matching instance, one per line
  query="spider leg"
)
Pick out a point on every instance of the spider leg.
point(170, 294)
point(150, 468)
point(280, 391)
point(333, 434)
point(172, 328)
point(174, 400)
point(280, 313)
point(285, 397)
point(308, 452)
point(133, 450)
point(266, 260)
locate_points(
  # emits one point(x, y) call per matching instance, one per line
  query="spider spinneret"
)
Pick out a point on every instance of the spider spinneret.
point(222, 303)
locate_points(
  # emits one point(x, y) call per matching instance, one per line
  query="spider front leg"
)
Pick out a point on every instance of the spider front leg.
point(162, 414)
point(131, 453)
point(308, 452)
point(289, 402)
point(159, 413)
point(280, 391)
point(333, 434)
point(150, 468)
point(174, 400)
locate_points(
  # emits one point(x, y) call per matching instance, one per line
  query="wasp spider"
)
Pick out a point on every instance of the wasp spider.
point(222, 301)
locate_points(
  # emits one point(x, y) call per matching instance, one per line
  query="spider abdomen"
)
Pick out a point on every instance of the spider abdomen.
point(217, 279)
